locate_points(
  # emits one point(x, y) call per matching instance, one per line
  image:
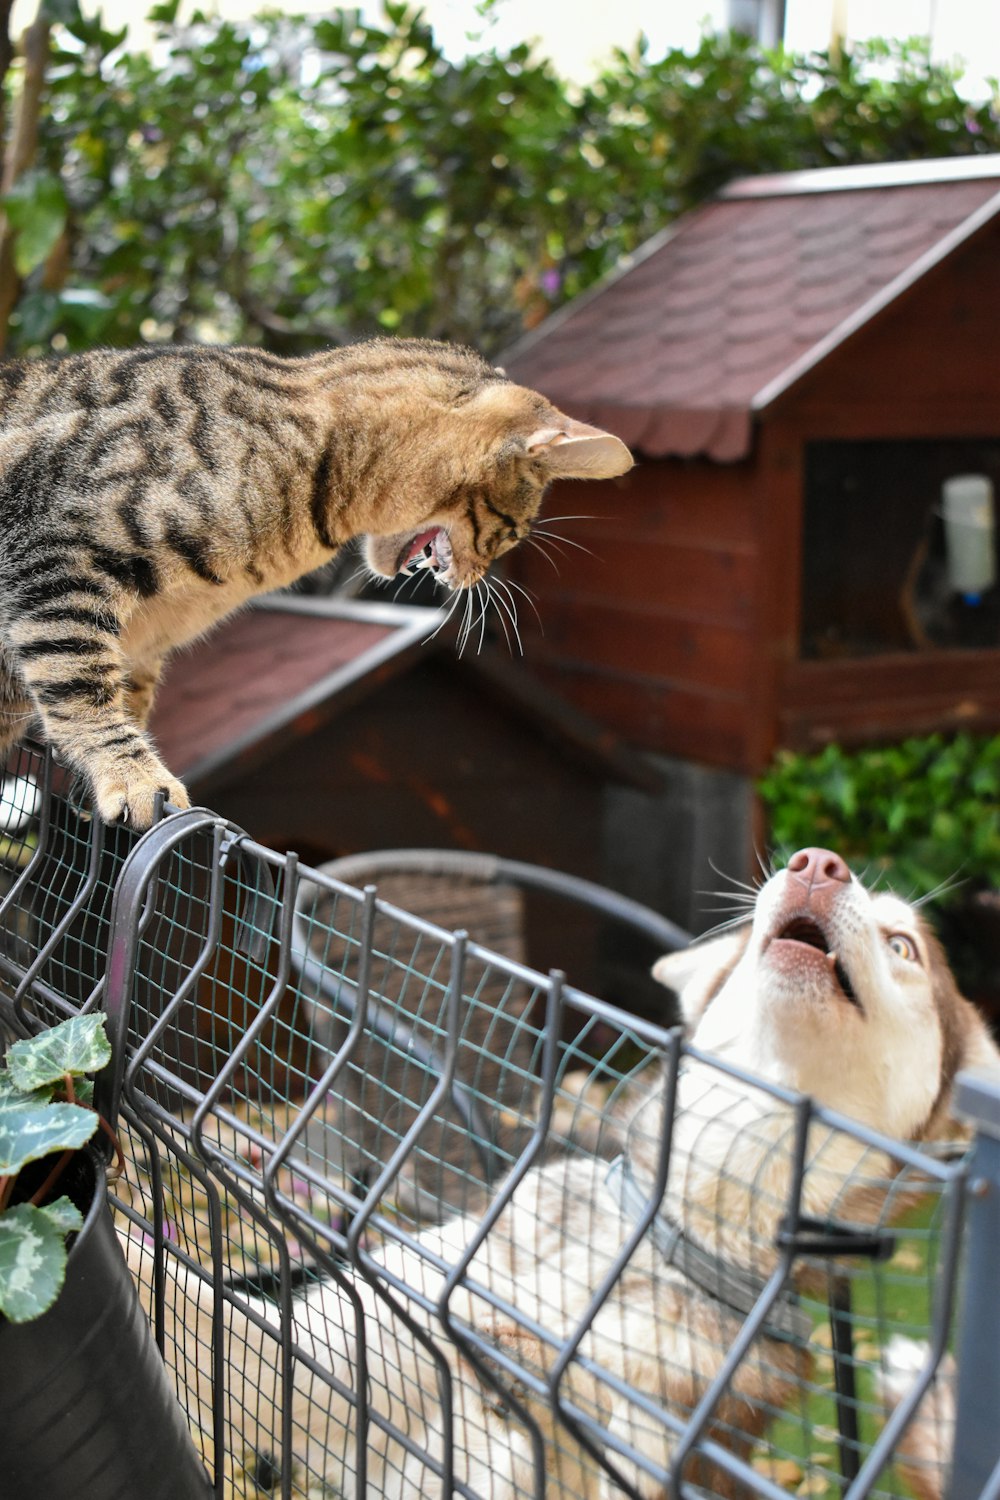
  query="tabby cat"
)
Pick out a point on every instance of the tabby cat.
point(145, 494)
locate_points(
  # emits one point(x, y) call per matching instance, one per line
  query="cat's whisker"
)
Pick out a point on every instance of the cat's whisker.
point(506, 606)
point(494, 599)
point(463, 628)
point(533, 541)
point(509, 583)
point(467, 621)
point(548, 520)
point(446, 615)
point(481, 622)
point(565, 540)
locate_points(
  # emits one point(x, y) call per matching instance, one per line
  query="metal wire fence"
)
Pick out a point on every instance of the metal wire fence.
point(399, 1206)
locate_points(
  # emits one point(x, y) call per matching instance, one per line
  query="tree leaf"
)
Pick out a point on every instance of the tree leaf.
point(79, 1045)
point(36, 207)
point(32, 1262)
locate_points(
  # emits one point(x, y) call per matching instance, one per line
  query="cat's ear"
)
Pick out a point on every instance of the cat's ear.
point(572, 450)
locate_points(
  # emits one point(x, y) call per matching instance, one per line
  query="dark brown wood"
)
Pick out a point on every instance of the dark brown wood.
point(652, 629)
point(690, 722)
point(884, 697)
point(559, 723)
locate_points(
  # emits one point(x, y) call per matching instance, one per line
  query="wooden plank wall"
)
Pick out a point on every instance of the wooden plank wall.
point(651, 629)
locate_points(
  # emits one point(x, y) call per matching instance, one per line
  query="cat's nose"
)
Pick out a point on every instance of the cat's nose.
point(815, 867)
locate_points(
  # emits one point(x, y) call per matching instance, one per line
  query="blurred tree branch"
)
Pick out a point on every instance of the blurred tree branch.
point(21, 143)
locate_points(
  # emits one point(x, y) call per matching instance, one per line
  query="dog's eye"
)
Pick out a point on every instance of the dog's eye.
point(904, 946)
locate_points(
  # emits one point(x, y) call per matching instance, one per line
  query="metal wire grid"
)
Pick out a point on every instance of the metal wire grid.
point(328, 1338)
point(57, 874)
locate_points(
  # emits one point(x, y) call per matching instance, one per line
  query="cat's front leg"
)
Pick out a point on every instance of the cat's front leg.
point(81, 687)
point(140, 688)
point(16, 707)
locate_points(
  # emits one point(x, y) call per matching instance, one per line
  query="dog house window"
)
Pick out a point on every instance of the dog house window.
point(881, 571)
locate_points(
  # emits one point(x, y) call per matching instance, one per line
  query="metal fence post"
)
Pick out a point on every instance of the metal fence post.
point(977, 1416)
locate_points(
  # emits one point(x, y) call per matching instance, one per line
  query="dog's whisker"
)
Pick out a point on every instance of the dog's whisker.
point(727, 925)
point(739, 913)
point(751, 887)
point(949, 883)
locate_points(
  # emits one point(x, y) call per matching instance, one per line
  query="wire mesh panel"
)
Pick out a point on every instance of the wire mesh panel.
point(412, 1220)
point(57, 874)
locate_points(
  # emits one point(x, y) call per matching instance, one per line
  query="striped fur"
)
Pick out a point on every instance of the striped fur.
point(145, 494)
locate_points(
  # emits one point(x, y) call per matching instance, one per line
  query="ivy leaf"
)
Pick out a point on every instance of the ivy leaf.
point(32, 1262)
point(36, 1130)
point(11, 1097)
point(36, 209)
point(79, 1045)
point(64, 1214)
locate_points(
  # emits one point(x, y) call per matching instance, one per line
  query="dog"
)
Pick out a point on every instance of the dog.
point(555, 1336)
point(924, 1450)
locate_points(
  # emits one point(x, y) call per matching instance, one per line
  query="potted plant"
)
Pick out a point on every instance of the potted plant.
point(86, 1406)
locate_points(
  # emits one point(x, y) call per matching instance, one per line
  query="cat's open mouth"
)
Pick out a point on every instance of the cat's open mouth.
point(426, 549)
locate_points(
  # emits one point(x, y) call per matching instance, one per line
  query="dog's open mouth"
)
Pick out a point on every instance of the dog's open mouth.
point(430, 549)
point(809, 933)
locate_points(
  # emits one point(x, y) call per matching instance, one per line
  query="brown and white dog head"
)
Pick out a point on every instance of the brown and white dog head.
point(838, 992)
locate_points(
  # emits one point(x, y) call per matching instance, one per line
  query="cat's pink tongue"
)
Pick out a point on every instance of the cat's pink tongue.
point(418, 544)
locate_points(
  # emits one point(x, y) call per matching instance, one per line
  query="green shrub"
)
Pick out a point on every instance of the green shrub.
point(921, 816)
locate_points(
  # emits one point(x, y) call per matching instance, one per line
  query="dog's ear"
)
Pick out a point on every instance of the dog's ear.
point(966, 1042)
point(696, 974)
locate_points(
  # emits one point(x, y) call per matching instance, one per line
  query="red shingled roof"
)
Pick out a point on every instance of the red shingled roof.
point(290, 664)
point(724, 311)
point(276, 671)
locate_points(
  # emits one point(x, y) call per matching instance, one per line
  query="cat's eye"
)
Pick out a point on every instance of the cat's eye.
point(904, 946)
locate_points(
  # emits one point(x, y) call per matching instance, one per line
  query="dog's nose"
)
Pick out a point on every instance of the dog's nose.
point(819, 867)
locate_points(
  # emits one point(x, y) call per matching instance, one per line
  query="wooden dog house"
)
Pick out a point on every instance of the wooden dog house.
point(798, 365)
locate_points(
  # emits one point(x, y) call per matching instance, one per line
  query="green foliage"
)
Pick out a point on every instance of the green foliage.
point(299, 181)
point(918, 814)
point(36, 1122)
point(36, 207)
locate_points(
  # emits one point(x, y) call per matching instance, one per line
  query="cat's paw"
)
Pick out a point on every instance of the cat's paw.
point(130, 798)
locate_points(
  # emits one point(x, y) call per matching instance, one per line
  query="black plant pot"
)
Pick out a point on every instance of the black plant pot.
point(87, 1410)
